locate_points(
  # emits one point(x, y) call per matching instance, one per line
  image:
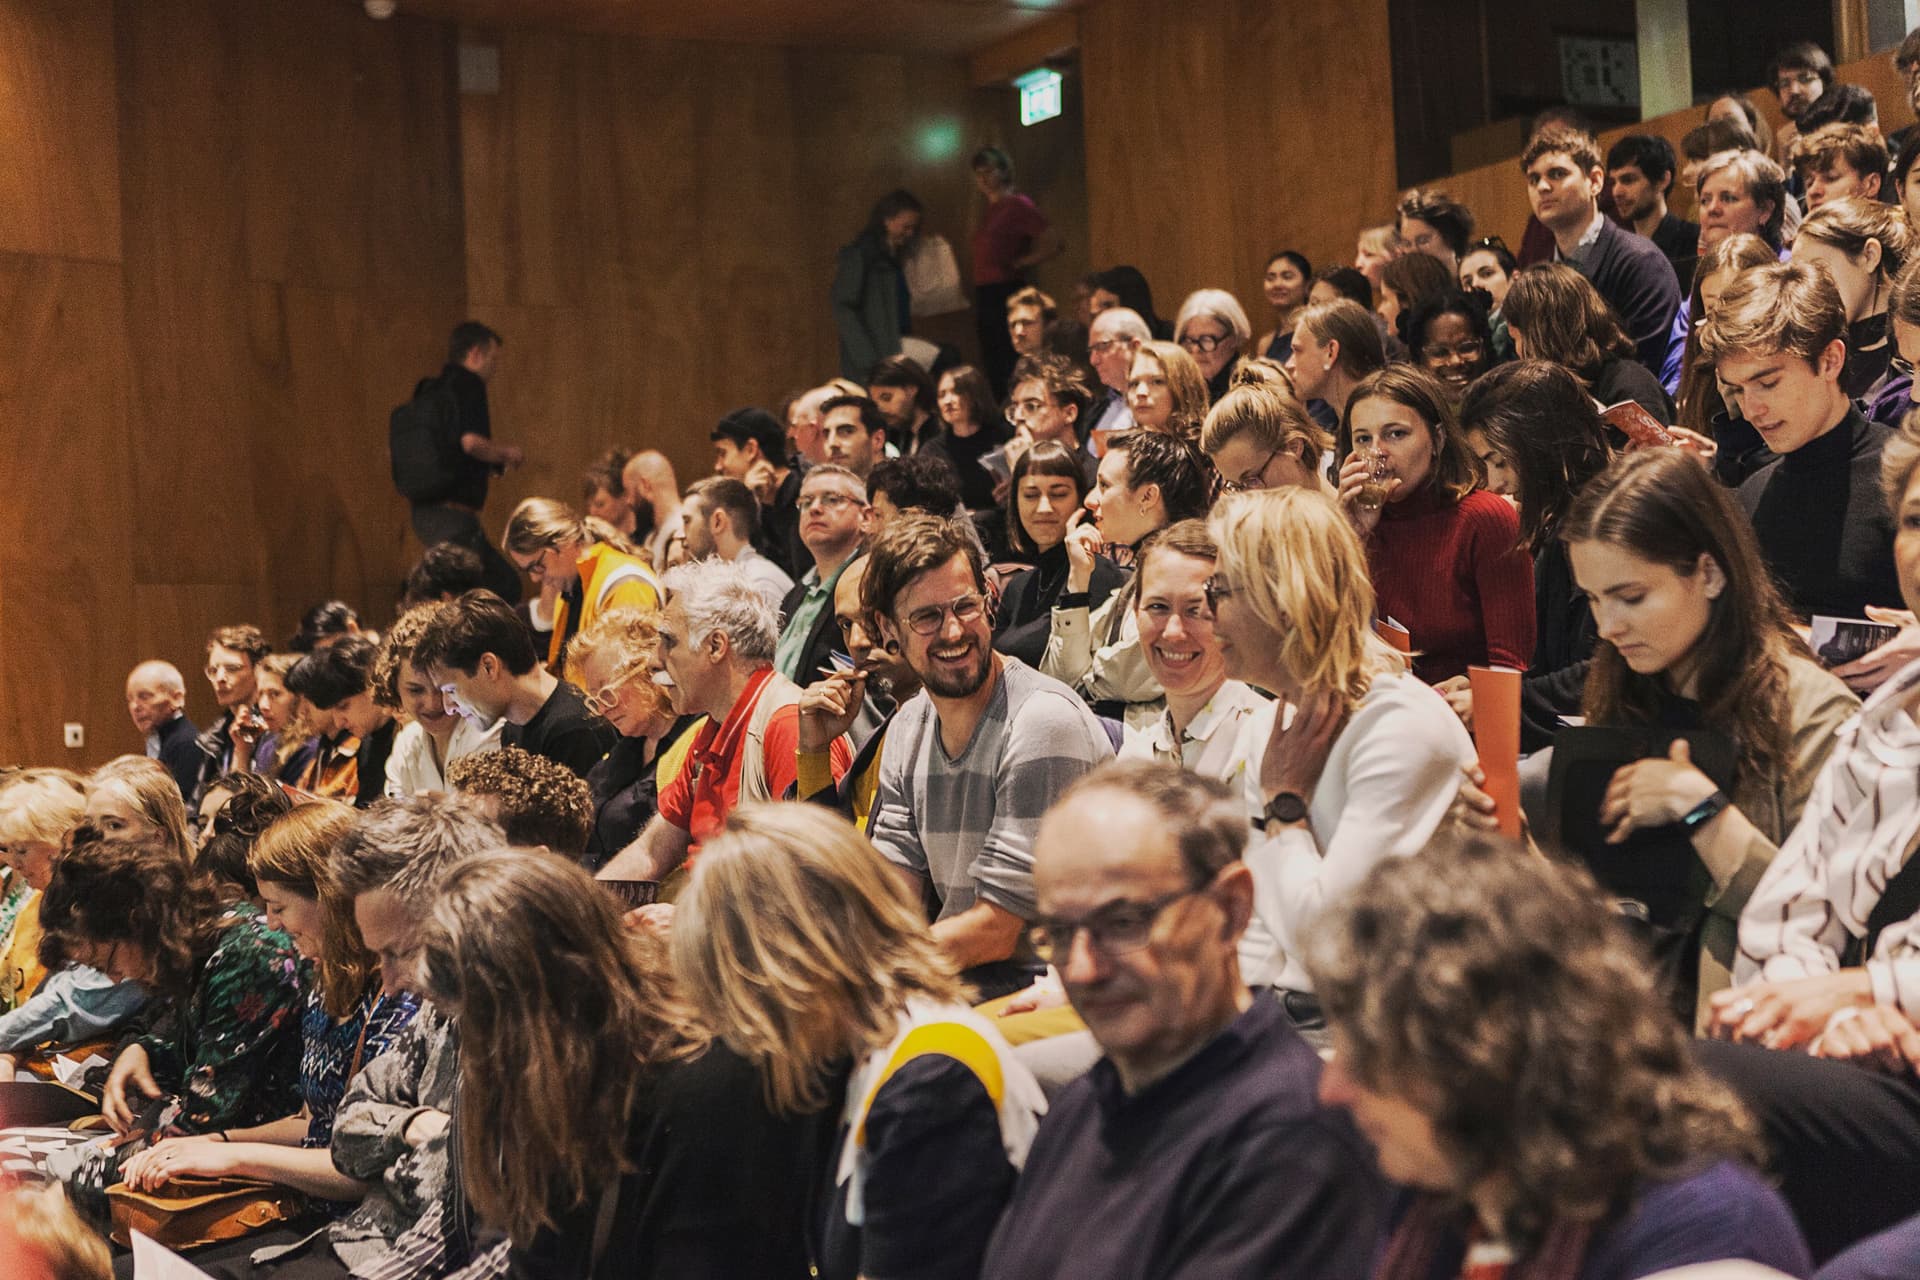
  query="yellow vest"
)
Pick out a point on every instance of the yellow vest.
point(608, 578)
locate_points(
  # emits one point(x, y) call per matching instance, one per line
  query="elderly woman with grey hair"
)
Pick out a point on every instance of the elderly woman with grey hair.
point(1213, 328)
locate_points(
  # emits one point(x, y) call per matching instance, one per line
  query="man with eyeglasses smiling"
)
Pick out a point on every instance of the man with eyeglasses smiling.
point(967, 770)
point(1197, 1145)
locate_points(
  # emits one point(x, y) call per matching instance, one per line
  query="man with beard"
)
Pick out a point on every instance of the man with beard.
point(968, 770)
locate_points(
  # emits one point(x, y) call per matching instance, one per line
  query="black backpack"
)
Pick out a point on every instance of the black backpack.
point(423, 437)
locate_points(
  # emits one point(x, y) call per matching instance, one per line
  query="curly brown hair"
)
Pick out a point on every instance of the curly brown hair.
point(538, 802)
point(135, 891)
point(1500, 994)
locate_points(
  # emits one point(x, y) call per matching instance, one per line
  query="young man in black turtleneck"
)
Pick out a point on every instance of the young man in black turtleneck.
point(1776, 342)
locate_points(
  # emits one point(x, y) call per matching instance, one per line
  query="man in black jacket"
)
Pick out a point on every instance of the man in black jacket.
point(473, 352)
point(156, 696)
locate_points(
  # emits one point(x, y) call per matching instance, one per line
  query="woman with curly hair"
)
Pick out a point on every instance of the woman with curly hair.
point(1498, 1039)
point(801, 950)
point(600, 1129)
point(614, 658)
point(433, 736)
point(1694, 636)
point(223, 1044)
point(347, 1023)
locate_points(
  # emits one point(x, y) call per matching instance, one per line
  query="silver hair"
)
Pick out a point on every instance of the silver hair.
point(1221, 306)
point(1123, 322)
point(719, 595)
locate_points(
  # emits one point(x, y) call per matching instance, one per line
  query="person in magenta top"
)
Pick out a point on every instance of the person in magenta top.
point(1011, 237)
point(1444, 553)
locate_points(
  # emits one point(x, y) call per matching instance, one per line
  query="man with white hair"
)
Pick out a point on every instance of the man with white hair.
point(156, 702)
point(717, 636)
point(1112, 342)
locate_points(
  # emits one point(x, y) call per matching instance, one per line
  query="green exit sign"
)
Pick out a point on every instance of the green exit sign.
point(1039, 95)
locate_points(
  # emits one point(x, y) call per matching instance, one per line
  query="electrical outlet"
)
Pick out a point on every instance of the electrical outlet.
point(76, 734)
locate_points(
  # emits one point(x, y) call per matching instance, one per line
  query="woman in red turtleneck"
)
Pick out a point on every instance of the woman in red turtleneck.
point(1445, 554)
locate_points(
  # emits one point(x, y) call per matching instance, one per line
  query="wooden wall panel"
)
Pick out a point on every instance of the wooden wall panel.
point(652, 227)
point(65, 577)
point(59, 187)
point(1208, 144)
point(1498, 196)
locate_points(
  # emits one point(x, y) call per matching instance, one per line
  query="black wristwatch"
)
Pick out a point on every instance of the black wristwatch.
point(1706, 811)
point(1288, 806)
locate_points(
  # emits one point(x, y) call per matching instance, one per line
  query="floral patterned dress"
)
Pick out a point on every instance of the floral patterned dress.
point(229, 1051)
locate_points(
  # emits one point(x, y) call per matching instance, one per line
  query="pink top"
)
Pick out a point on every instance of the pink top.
point(1006, 232)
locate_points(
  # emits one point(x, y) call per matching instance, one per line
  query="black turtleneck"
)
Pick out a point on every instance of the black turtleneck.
point(1823, 524)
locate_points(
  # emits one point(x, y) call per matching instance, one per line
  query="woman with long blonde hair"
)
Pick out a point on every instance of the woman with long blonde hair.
point(132, 797)
point(596, 1120)
point(1366, 765)
point(800, 948)
point(347, 1022)
point(581, 564)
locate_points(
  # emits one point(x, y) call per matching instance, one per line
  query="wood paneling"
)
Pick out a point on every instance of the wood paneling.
point(1210, 144)
point(950, 28)
point(65, 577)
point(241, 238)
point(652, 227)
point(1498, 197)
point(59, 187)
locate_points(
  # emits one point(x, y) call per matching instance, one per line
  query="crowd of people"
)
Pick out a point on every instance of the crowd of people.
point(1044, 818)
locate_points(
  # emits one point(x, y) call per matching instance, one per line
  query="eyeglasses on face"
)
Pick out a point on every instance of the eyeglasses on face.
point(929, 619)
point(831, 501)
point(1204, 343)
point(602, 702)
point(1105, 345)
point(1215, 591)
point(1115, 929)
point(1435, 353)
point(1252, 480)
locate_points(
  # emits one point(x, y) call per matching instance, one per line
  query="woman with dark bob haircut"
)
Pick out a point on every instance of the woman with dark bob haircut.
point(1048, 488)
point(1498, 1039)
point(222, 1035)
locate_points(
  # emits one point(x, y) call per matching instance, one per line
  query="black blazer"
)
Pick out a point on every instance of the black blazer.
point(822, 640)
point(180, 753)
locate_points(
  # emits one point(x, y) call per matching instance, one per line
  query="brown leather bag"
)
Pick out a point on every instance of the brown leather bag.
point(194, 1211)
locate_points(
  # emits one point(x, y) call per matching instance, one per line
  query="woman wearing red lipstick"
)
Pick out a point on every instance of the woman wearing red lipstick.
point(1693, 635)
